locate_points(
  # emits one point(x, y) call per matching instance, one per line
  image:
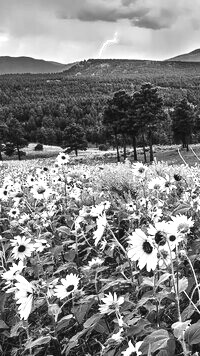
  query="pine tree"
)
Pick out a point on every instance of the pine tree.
point(148, 106)
point(74, 138)
point(116, 118)
point(16, 134)
point(183, 122)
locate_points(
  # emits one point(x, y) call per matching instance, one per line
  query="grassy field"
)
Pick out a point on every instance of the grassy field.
point(171, 154)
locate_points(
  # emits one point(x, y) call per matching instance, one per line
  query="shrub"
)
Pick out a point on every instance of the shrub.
point(22, 153)
point(39, 147)
point(9, 149)
point(103, 147)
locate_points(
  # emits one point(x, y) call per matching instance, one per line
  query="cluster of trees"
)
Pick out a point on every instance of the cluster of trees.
point(143, 114)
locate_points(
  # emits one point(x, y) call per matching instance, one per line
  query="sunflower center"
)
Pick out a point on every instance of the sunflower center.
point(147, 247)
point(141, 170)
point(21, 248)
point(41, 190)
point(70, 288)
point(172, 238)
point(114, 306)
point(5, 192)
point(160, 238)
point(156, 186)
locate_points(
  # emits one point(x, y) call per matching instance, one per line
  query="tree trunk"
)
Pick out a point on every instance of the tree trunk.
point(135, 148)
point(124, 144)
point(144, 152)
point(76, 152)
point(117, 147)
point(1, 158)
point(18, 153)
point(151, 146)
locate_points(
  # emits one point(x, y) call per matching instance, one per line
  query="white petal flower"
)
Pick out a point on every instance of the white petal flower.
point(68, 286)
point(142, 250)
point(111, 303)
point(22, 247)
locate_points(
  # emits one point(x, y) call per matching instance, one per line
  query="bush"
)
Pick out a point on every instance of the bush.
point(39, 147)
point(103, 147)
point(22, 153)
point(9, 149)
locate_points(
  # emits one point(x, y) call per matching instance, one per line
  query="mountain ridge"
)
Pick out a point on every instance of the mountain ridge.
point(193, 56)
point(24, 64)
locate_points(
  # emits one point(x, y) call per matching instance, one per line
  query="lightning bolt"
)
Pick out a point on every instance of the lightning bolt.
point(107, 43)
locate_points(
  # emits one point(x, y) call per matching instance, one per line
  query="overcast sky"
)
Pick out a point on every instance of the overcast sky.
point(71, 30)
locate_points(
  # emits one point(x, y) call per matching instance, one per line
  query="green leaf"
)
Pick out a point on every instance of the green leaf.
point(192, 334)
point(157, 339)
point(181, 209)
point(82, 309)
point(38, 342)
point(64, 230)
point(3, 325)
point(163, 278)
point(92, 321)
point(64, 322)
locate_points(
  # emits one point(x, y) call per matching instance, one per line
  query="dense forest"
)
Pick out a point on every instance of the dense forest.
point(45, 105)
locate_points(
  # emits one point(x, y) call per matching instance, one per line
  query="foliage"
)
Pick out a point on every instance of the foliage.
point(183, 121)
point(39, 147)
point(74, 138)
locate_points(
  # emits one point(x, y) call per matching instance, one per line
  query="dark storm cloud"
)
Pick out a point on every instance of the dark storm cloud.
point(154, 14)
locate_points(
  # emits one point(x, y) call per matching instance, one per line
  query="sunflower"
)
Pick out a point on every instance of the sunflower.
point(24, 296)
point(68, 286)
point(10, 275)
point(14, 213)
point(157, 184)
point(111, 303)
point(62, 159)
point(182, 224)
point(142, 250)
point(133, 350)
point(22, 247)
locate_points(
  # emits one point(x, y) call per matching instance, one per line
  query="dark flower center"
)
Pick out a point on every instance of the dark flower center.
point(160, 238)
point(141, 170)
point(5, 192)
point(14, 212)
point(63, 157)
point(19, 195)
point(41, 190)
point(70, 288)
point(167, 184)
point(147, 247)
point(45, 169)
point(172, 238)
point(21, 248)
point(177, 177)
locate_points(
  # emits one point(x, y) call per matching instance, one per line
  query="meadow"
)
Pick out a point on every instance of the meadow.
point(100, 258)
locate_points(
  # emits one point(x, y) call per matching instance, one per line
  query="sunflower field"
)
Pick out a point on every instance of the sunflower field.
point(99, 260)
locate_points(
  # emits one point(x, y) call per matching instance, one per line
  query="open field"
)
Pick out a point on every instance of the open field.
point(161, 153)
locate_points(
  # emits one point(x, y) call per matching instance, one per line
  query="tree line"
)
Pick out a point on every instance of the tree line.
point(138, 118)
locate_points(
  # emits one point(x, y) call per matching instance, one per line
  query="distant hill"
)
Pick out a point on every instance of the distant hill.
point(136, 69)
point(193, 56)
point(14, 65)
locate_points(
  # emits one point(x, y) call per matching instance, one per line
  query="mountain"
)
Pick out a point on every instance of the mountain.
point(193, 56)
point(139, 70)
point(14, 65)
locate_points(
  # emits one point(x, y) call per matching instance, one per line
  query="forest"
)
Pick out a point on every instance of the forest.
point(45, 106)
